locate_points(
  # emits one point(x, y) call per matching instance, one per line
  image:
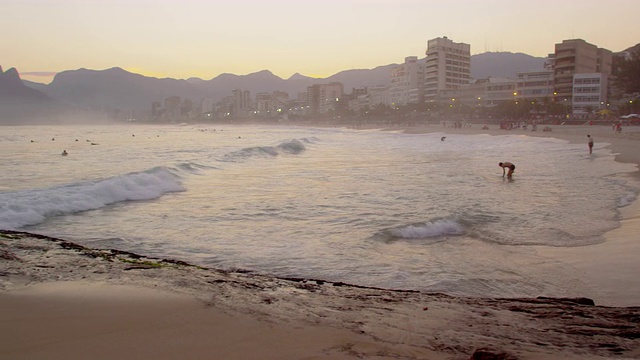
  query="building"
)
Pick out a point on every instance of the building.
point(172, 107)
point(589, 93)
point(379, 95)
point(577, 56)
point(535, 85)
point(207, 105)
point(322, 98)
point(241, 106)
point(448, 67)
point(407, 82)
point(487, 92)
point(263, 103)
point(271, 104)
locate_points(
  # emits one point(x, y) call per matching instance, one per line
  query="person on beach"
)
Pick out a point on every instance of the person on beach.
point(510, 166)
point(64, 153)
point(590, 143)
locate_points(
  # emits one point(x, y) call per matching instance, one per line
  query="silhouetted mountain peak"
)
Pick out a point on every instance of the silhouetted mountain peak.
point(298, 76)
point(18, 100)
point(11, 76)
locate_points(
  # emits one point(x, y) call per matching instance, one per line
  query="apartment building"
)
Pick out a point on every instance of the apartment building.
point(535, 84)
point(589, 93)
point(448, 67)
point(241, 103)
point(379, 95)
point(577, 56)
point(207, 105)
point(407, 82)
point(322, 98)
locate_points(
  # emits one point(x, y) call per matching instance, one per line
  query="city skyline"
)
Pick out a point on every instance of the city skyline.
point(183, 39)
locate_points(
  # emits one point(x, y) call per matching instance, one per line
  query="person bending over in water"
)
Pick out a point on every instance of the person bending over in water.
point(508, 165)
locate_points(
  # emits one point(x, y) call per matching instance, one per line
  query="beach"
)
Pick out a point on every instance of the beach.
point(62, 300)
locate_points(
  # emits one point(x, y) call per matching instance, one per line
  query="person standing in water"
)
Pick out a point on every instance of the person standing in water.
point(510, 166)
point(590, 143)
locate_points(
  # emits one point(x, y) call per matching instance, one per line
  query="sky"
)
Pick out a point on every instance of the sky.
point(318, 38)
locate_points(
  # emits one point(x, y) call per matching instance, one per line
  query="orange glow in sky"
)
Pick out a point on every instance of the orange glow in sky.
point(199, 38)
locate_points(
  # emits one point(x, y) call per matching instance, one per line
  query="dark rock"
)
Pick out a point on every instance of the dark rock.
point(578, 300)
point(491, 354)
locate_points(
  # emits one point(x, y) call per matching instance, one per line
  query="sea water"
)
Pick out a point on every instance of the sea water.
point(373, 208)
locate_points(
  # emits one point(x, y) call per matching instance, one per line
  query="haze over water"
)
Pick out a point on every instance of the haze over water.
point(372, 208)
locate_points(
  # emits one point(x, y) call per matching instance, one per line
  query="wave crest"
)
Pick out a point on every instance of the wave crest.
point(429, 229)
point(30, 207)
point(293, 147)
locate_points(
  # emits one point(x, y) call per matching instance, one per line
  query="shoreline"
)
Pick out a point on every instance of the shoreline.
point(594, 262)
point(60, 300)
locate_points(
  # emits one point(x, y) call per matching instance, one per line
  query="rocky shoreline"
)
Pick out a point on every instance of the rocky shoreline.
point(404, 324)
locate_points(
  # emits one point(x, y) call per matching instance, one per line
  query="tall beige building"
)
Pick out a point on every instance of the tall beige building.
point(577, 56)
point(448, 67)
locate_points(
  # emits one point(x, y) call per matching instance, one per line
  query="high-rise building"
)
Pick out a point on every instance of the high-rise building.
point(407, 82)
point(577, 56)
point(172, 106)
point(323, 97)
point(448, 67)
point(241, 103)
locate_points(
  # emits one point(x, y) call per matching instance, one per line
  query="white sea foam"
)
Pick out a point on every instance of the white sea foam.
point(429, 229)
point(626, 200)
point(30, 207)
point(292, 146)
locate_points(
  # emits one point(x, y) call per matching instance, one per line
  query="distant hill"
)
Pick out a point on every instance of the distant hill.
point(116, 88)
point(503, 64)
point(19, 103)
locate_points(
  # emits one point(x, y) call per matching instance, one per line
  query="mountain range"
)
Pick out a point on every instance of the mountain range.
point(115, 88)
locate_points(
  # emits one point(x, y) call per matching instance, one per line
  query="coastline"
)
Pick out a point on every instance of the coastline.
point(602, 265)
point(61, 300)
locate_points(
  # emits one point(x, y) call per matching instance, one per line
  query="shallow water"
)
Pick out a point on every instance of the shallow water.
point(367, 207)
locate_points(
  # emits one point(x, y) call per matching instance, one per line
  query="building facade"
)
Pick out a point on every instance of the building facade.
point(322, 98)
point(448, 67)
point(407, 82)
point(589, 93)
point(577, 56)
point(536, 84)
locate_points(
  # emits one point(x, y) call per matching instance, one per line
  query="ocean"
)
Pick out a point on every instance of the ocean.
point(367, 207)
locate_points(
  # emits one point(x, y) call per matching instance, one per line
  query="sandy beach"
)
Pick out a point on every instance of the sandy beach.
point(60, 300)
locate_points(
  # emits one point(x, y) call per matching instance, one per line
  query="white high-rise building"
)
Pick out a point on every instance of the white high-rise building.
point(407, 82)
point(448, 67)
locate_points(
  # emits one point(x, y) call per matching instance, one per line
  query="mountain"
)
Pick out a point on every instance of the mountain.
point(12, 88)
point(503, 64)
point(363, 77)
point(224, 84)
point(19, 103)
point(117, 89)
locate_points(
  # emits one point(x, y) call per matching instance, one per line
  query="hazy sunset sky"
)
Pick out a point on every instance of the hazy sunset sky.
point(198, 38)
